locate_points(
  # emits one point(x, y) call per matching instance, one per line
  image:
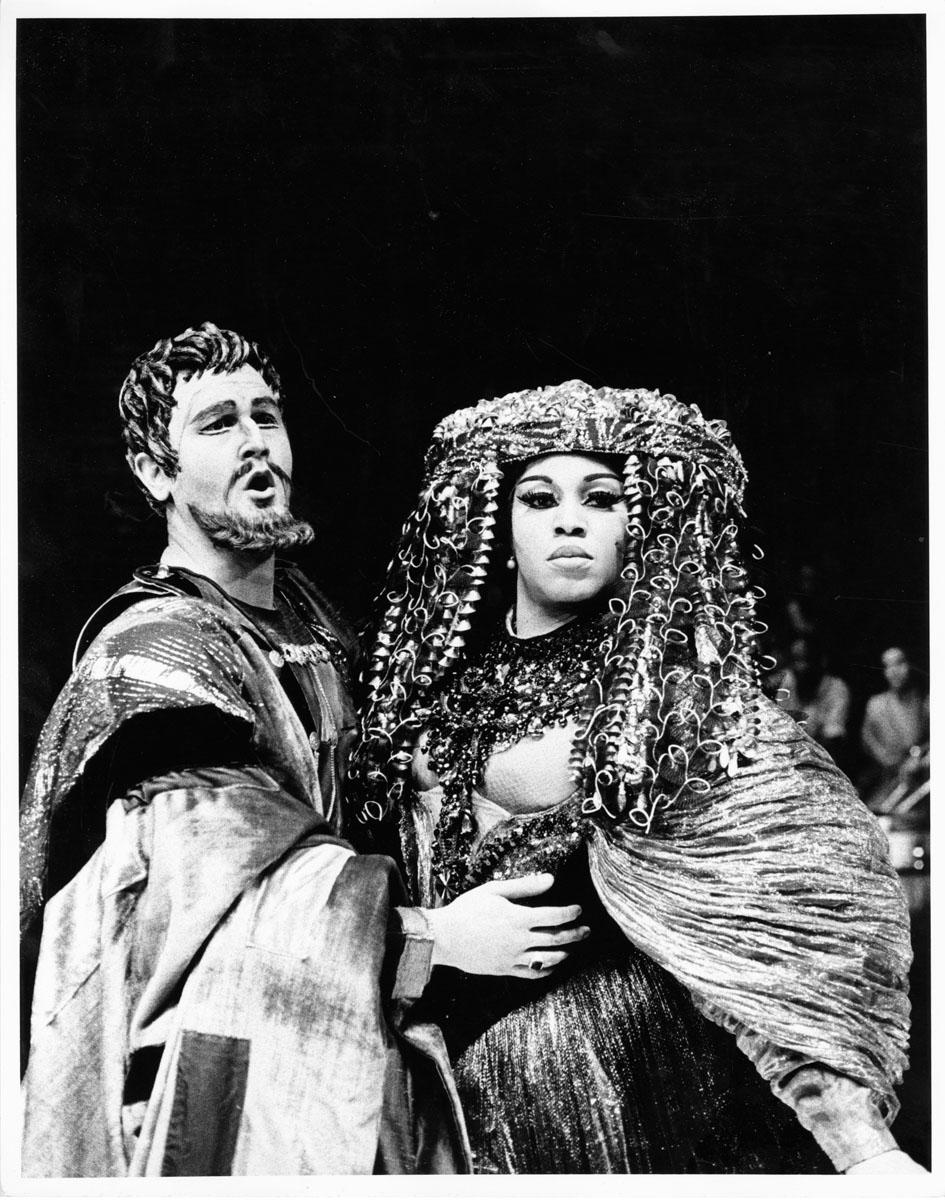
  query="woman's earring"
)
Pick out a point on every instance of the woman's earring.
point(511, 563)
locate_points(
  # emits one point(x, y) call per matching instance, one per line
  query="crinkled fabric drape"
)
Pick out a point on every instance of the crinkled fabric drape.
point(227, 999)
point(772, 899)
point(208, 998)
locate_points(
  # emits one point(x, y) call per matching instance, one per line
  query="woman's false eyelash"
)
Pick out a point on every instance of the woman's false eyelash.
point(602, 498)
point(598, 498)
point(538, 499)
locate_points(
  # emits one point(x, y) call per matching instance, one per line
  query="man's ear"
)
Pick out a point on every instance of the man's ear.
point(153, 476)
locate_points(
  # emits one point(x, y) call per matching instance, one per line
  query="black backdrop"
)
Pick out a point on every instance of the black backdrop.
point(413, 214)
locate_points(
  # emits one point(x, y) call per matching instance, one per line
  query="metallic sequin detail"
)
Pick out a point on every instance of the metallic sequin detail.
point(162, 653)
point(772, 900)
point(674, 677)
point(610, 1071)
point(515, 688)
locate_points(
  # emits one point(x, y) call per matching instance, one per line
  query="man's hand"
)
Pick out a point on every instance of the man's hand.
point(484, 932)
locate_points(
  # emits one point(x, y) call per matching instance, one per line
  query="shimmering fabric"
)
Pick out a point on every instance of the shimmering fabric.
point(723, 842)
point(770, 907)
point(682, 601)
point(611, 1070)
point(772, 899)
point(606, 1066)
point(165, 654)
point(220, 944)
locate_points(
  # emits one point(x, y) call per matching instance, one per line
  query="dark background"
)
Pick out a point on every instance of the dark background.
point(414, 214)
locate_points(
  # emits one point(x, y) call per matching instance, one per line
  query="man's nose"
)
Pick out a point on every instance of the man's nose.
point(253, 443)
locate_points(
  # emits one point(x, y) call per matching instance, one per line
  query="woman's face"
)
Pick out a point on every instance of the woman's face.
point(568, 535)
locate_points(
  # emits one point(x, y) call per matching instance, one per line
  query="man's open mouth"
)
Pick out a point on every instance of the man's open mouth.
point(261, 483)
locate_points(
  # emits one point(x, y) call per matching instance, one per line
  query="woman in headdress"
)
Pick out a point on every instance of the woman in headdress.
point(749, 946)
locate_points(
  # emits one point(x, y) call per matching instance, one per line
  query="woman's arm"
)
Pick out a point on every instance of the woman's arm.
point(840, 1113)
point(772, 899)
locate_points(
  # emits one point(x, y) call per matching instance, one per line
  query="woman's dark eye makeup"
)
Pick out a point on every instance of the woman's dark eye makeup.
point(603, 498)
point(538, 498)
point(595, 498)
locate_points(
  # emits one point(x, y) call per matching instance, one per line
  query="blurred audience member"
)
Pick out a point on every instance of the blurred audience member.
point(895, 735)
point(896, 785)
point(821, 700)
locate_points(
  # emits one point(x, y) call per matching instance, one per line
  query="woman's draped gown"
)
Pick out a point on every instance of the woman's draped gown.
point(612, 1064)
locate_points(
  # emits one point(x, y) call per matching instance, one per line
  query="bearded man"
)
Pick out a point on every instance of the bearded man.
point(224, 986)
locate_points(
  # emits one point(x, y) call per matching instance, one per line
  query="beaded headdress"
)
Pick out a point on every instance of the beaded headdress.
point(670, 702)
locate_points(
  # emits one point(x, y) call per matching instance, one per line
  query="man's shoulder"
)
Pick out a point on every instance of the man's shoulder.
point(166, 621)
point(152, 605)
point(161, 653)
point(163, 640)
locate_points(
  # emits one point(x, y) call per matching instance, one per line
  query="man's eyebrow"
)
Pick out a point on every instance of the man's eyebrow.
point(223, 408)
point(219, 408)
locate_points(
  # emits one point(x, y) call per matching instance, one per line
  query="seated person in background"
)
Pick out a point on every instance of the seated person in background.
point(895, 735)
point(820, 700)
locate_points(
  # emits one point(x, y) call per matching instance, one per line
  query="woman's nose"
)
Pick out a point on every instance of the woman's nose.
point(571, 519)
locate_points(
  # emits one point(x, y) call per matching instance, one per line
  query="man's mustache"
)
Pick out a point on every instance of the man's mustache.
point(252, 465)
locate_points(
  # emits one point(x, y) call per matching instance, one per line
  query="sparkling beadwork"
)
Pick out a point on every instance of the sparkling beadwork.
point(514, 688)
point(678, 658)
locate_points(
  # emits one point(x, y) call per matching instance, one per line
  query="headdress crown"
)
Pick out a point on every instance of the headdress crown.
point(571, 417)
point(669, 701)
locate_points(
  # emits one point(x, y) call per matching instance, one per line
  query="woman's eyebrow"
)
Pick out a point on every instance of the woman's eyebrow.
point(587, 478)
point(536, 478)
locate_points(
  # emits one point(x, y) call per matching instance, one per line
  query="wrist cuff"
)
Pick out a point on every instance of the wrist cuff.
point(415, 964)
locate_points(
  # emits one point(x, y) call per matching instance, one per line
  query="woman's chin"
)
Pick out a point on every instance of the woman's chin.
point(571, 602)
point(585, 591)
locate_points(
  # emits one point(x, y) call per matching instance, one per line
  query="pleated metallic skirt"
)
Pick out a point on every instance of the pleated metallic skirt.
point(609, 1068)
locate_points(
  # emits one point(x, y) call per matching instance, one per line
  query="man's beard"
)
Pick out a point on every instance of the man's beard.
point(266, 532)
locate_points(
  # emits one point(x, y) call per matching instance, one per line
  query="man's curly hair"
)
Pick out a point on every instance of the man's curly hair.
point(146, 399)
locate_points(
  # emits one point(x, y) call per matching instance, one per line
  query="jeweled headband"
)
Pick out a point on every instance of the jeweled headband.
point(575, 417)
point(670, 704)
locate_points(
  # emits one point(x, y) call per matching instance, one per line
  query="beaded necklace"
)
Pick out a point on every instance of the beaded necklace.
point(513, 689)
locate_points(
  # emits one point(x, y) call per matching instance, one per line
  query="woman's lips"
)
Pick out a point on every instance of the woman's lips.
point(569, 552)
